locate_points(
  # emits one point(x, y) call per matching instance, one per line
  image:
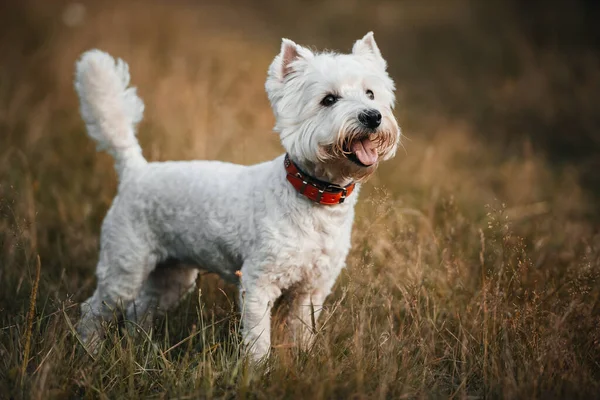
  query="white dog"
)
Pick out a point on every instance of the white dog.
point(285, 224)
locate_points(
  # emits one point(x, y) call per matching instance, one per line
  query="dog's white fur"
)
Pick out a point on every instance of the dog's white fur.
point(224, 217)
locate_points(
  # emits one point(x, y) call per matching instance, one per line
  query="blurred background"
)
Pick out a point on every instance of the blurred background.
point(519, 77)
point(498, 101)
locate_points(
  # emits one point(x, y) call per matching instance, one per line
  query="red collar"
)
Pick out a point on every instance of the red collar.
point(313, 188)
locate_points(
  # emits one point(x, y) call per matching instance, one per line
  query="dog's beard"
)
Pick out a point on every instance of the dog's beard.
point(356, 153)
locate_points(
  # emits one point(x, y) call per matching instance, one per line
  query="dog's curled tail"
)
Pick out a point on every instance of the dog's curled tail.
point(110, 109)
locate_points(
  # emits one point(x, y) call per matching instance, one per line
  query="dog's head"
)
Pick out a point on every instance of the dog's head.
point(334, 111)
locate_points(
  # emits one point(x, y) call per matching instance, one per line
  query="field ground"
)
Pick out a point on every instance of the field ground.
point(476, 252)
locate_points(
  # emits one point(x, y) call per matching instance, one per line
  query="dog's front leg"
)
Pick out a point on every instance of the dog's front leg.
point(256, 301)
point(304, 314)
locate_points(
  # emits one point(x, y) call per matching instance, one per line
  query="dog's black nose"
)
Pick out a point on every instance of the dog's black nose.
point(370, 118)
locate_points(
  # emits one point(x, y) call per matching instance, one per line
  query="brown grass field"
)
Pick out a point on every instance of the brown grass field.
point(475, 268)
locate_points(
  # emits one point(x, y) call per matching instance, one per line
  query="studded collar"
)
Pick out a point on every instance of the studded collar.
point(315, 189)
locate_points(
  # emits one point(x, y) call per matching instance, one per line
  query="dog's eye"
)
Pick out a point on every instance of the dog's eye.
point(370, 94)
point(329, 100)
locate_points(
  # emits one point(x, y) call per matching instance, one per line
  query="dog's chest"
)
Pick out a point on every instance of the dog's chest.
point(310, 250)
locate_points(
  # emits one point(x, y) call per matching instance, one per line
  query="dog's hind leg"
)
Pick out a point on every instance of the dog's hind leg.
point(162, 291)
point(123, 268)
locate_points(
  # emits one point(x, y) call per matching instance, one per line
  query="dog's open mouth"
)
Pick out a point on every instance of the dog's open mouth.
point(362, 151)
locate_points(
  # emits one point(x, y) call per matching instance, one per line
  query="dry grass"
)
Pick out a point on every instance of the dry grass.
point(474, 271)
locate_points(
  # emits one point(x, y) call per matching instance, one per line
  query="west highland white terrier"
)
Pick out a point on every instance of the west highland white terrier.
point(282, 225)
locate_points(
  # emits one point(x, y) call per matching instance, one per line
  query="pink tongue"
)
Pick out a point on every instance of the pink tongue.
point(365, 151)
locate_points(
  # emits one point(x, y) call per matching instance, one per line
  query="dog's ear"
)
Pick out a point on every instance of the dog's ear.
point(291, 58)
point(366, 47)
point(283, 64)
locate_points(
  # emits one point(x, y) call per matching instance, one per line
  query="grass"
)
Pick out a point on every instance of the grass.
point(474, 267)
